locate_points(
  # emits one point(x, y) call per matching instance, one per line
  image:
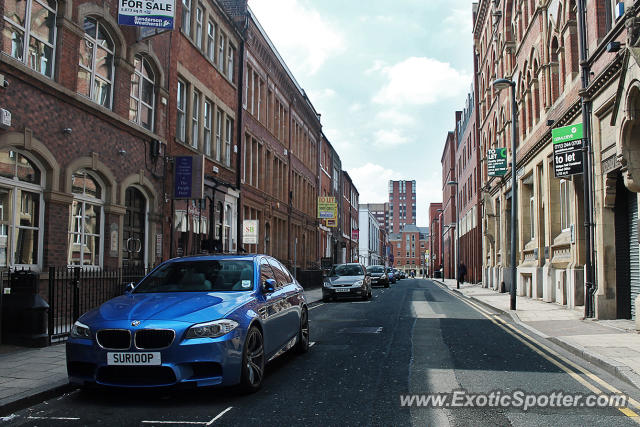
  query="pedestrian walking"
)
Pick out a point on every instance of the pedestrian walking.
point(462, 271)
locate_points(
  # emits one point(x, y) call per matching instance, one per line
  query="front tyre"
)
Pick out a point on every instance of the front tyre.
point(302, 346)
point(252, 361)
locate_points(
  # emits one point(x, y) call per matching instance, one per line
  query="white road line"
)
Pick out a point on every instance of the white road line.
point(319, 305)
point(54, 418)
point(201, 423)
point(219, 415)
point(312, 343)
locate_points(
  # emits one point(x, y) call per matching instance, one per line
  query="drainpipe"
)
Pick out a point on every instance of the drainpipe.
point(240, 133)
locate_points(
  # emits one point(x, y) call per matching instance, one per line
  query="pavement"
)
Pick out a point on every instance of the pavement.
point(613, 345)
point(28, 374)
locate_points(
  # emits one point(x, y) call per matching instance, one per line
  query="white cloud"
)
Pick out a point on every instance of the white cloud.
point(372, 182)
point(421, 81)
point(459, 21)
point(355, 107)
point(303, 37)
point(321, 95)
point(389, 138)
point(377, 65)
point(395, 117)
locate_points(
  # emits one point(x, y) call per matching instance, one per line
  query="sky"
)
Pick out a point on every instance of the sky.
point(386, 76)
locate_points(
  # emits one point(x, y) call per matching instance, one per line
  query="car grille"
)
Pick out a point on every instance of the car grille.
point(114, 339)
point(149, 339)
point(136, 375)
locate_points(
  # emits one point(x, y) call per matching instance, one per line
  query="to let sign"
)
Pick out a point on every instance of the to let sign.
point(250, 231)
point(497, 162)
point(567, 150)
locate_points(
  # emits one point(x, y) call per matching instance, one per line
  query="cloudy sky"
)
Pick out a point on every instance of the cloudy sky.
point(386, 76)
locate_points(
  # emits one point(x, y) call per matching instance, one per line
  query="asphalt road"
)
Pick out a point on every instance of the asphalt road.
point(414, 337)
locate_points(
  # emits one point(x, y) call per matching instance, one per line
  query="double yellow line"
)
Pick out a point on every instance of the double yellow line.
point(576, 371)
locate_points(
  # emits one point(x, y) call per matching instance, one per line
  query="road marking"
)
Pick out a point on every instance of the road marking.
point(316, 306)
point(201, 423)
point(538, 347)
point(54, 418)
point(219, 415)
point(312, 343)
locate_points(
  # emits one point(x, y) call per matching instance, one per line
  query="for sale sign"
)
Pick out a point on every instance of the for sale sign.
point(146, 13)
point(567, 150)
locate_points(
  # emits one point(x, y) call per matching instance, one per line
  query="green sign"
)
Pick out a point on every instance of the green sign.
point(497, 162)
point(566, 133)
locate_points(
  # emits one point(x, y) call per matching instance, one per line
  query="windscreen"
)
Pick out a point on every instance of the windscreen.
point(375, 269)
point(199, 276)
point(347, 270)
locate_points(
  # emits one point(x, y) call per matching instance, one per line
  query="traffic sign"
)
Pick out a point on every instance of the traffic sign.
point(497, 162)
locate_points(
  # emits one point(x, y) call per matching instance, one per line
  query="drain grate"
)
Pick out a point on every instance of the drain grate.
point(361, 330)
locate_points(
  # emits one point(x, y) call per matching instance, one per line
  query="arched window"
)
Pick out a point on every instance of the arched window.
point(21, 210)
point(554, 71)
point(95, 72)
point(29, 33)
point(85, 220)
point(142, 102)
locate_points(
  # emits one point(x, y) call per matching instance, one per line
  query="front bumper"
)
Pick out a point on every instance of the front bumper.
point(345, 291)
point(379, 281)
point(194, 362)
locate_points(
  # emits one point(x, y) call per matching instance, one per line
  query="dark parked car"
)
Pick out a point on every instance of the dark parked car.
point(347, 280)
point(391, 275)
point(378, 276)
point(200, 321)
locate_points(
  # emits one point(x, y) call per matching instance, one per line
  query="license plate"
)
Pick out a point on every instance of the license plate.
point(128, 358)
point(343, 290)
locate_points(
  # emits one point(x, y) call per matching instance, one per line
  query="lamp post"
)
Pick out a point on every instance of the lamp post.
point(457, 266)
point(441, 212)
point(431, 235)
point(499, 85)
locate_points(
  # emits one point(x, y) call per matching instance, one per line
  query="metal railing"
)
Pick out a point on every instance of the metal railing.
point(74, 291)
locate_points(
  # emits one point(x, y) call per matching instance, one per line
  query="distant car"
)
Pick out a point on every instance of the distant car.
point(403, 275)
point(391, 275)
point(199, 321)
point(378, 276)
point(347, 280)
point(399, 274)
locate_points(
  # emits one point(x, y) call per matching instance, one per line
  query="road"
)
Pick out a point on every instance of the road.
point(414, 337)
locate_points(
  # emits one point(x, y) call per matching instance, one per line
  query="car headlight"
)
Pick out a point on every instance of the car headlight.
point(80, 330)
point(214, 329)
point(327, 284)
point(358, 283)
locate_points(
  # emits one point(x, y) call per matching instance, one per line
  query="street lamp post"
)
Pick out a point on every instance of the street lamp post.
point(501, 84)
point(457, 266)
point(441, 212)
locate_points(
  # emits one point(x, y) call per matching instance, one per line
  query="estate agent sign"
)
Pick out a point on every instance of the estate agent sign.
point(146, 13)
point(497, 162)
point(567, 150)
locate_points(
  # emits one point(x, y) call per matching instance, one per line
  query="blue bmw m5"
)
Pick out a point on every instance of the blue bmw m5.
point(204, 321)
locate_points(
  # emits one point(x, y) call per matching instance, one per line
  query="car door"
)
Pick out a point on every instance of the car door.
point(293, 299)
point(287, 310)
point(268, 310)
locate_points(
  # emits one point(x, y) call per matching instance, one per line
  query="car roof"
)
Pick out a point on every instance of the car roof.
point(217, 257)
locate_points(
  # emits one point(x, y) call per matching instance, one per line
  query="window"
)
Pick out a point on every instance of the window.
point(195, 116)
point(186, 17)
point(221, 52)
point(531, 218)
point(21, 207)
point(142, 94)
point(564, 205)
point(181, 125)
point(207, 128)
point(218, 134)
point(211, 40)
point(198, 34)
point(230, 57)
point(85, 221)
point(33, 21)
point(95, 73)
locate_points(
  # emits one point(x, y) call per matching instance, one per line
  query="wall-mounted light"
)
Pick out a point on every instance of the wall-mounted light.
point(122, 152)
point(67, 131)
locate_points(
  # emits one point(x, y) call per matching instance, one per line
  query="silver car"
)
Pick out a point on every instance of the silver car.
point(347, 280)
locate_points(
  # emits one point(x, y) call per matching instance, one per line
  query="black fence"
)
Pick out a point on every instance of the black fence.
point(74, 291)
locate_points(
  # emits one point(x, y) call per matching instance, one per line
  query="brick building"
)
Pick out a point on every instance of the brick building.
point(350, 228)
point(402, 205)
point(82, 167)
point(330, 183)
point(468, 179)
point(448, 218)
point(409, 248)
point(435, 237)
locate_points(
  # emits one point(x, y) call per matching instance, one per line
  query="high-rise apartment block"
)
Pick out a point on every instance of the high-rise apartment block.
point(402, 204)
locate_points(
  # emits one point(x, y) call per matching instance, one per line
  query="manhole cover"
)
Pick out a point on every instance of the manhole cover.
point(362, 330)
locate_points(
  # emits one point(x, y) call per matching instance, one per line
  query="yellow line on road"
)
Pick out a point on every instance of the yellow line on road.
point(540, 349)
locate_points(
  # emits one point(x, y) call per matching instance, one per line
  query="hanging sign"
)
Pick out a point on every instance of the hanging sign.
point(497, 162)
point(327, 208)
point(146, 13)
point(567, 150)
point(188, 177)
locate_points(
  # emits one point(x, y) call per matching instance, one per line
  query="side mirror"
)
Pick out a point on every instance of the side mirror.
point(269, 286)
point(129, 288)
